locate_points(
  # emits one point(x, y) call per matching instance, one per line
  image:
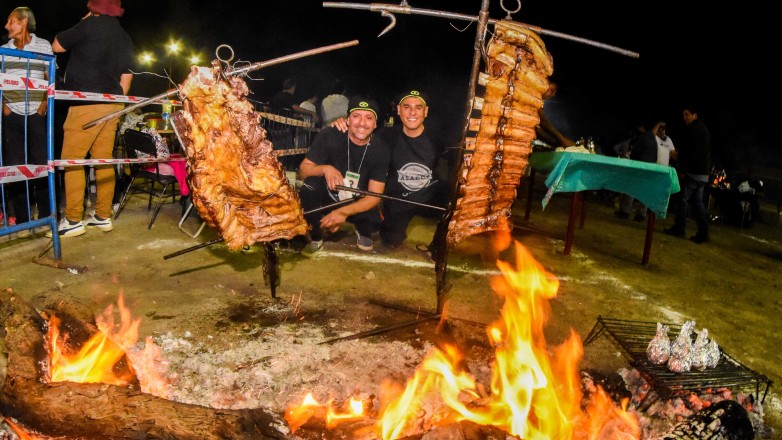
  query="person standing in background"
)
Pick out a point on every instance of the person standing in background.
point(665, 148)
point(335, 105)
point(101, 55)
point(693, 156)
point(24, 115)
point(643, 148)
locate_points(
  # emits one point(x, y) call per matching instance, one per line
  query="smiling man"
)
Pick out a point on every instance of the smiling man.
point(355, 159)
point(415, 161)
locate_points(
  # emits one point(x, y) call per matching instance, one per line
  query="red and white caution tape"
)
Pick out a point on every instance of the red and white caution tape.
point(17, 173)
point(14, 82)
point(82, 162)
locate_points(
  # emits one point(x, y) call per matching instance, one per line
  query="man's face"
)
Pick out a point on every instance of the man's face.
point(688, 116)
point(413, 112)
point(661, 132)
point(361, 124)
point(15, 26)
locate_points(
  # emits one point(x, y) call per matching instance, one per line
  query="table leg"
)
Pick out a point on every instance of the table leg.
point(650, 218)
point(530, 186)
point(571, 224)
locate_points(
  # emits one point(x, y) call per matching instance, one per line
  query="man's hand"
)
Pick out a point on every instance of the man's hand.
point(6, 110)
point(340, 124)
point(333, 220)
point(42, 108)
point(333, 177)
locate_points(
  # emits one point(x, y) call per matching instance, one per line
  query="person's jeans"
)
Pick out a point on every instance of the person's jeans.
point(15, 128)
point(692, 195)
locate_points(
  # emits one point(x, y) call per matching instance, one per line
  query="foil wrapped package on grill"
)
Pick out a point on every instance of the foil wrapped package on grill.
point(659, 349)
point(700, 350)
point(713, 354)
point(681, 350)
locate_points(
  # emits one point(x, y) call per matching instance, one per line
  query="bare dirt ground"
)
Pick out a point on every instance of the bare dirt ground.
point(229, 344)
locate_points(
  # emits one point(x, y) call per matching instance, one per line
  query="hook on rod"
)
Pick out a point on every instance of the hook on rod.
point(385, 13)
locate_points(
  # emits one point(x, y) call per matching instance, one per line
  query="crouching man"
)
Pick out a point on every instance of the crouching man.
point(353, 159)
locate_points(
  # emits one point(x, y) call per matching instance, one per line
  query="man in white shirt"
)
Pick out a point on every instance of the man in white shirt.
point(665, 148)
point(24, 113)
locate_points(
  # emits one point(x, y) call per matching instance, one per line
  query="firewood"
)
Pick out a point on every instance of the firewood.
point(92, 410)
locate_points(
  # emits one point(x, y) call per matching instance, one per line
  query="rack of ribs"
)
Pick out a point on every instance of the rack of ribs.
point(495, 158)
point(238, 186)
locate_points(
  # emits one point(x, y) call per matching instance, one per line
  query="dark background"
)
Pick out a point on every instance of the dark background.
point(718, 59)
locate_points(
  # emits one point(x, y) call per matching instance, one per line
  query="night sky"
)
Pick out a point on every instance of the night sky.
point(690, 52)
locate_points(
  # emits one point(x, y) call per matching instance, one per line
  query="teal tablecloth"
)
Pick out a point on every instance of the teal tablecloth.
point(649, 183)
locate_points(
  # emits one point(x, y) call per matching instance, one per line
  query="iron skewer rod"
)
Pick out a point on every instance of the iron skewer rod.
point(250, 68)
point(383, 196)
point(220, 239)
point(397, 9)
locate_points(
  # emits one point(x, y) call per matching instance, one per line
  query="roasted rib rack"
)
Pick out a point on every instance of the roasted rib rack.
point(634, 336)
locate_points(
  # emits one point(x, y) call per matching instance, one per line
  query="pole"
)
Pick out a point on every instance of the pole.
point(402, 9)
point(250, 68)
point(383, 196)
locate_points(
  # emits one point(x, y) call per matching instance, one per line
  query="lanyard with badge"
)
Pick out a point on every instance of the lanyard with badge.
point(351, 179)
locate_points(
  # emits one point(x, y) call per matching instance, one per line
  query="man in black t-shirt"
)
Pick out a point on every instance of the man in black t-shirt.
point(354, 159)
point(416, 160)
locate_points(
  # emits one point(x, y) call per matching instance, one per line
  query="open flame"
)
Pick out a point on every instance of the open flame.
point(95, 360)
point(535, 391)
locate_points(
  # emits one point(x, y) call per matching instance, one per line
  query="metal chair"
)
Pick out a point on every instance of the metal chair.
point(143, 180)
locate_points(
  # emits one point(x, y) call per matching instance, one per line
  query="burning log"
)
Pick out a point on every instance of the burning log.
point(725, 420)
point(97, 410)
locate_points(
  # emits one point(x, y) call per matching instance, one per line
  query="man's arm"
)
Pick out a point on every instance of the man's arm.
point(56, 47)
point(336, 218)
point(332, 175)
point(124, 82)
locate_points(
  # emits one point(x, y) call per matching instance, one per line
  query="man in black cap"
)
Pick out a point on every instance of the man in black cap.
point(416, 160)
point(354, 159)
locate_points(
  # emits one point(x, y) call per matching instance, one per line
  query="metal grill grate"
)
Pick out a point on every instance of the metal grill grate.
point(634, 337)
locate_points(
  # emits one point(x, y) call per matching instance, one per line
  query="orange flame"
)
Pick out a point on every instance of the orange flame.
point(95, 360)
point(297, 415)
point(534, 394)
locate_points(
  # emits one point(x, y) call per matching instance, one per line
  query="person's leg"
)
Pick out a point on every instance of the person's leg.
point(699, 212)
point(367, 222)
point(682, 210)
point(36, 133)
point(103, 148)
point(396, 219)
point(625, 206)
point(14, 154)
point(75, 145)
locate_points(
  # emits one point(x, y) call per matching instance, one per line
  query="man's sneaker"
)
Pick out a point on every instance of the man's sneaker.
point(364, 243)
point(67, 229)
point(24, 233)
point(104, 225)
point(312, 248)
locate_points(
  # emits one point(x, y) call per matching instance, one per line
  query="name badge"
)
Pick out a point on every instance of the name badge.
point(351, 181)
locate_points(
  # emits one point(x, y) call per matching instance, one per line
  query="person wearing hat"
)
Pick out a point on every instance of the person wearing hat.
point(416, 161)
point(101, 56)
point(355, 159)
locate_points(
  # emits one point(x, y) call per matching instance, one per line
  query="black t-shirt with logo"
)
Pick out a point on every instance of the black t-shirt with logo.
point(414, 163)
